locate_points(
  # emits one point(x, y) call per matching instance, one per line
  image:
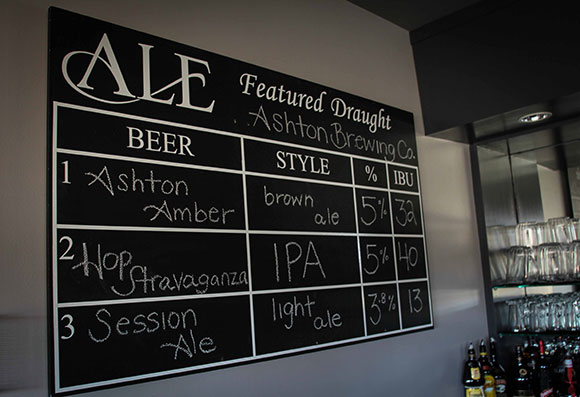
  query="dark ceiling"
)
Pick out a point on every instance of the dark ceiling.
point(555, 143)
point(413, 14)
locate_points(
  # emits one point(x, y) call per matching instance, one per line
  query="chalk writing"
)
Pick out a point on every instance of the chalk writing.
point(287, 200)
point(277, 93)
point(151, 322)
point(159, 141)
point(143, 282)
point(132, 183)
point(208, 216)
point(304, 163)
point(293, 255)
point(288, 311)
point(374, 120)
point(193, 214)
point(129, 279)
point(205, 346)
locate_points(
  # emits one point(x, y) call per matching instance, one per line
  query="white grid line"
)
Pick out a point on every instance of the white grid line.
point(239, 360)
point(247, 232)
point(395, 258)
point(248, 253)
point(67, 226)
point(226, 133)
point(360, 268)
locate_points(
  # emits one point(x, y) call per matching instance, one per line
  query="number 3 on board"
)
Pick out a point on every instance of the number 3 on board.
point(69, 319)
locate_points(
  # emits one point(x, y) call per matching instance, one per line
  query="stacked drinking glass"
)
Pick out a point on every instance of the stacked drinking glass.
point(541, 313)
point(535, 252)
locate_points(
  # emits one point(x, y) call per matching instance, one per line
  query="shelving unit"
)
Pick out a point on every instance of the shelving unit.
point(540, 334)
point(537, 285)
point(523, 176)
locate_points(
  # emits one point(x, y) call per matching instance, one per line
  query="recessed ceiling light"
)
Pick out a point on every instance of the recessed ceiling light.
point(535, 117)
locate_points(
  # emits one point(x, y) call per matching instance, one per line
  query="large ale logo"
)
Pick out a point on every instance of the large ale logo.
point(106, 56)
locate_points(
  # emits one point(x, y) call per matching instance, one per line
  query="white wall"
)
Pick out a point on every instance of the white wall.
point(331, 42)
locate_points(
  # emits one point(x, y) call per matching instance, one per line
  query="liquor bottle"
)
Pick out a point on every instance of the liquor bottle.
point(558, 366)
point(576, 363)
point(567, 386)
point(530, 353)
point(522, 382)
point(544, 370)
point(488, 381)
point(497, 371)
point(472, 379)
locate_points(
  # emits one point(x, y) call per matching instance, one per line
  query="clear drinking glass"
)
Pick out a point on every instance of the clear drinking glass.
point(515, 322)
point(552, 262)
point(543, 233)
point(556, 312)
point(540, 314)
point(501, 237)
point(562, 229)
point(575, 312)
point(518, 263)
point(527, 234)
point(525, 307)
point(532, 271)
point(574, 260)
point(498, 266)
point(575, 228)
point(566, 268)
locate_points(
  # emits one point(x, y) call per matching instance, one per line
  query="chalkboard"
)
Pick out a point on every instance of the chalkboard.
point(206, 212)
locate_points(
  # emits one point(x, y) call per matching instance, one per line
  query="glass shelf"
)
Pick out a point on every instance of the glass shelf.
point(531, 285)
point(536, 334)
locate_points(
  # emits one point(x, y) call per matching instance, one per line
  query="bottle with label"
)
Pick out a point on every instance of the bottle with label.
point(544, 370)
point(497, 371)
point(576, 363)
point(530, 353)
point(567, 386)
point(522, 381)
point(488, 380)
point(472, 377)
point(558, 368)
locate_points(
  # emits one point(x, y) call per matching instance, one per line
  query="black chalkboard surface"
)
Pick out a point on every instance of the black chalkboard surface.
point(206, 212)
